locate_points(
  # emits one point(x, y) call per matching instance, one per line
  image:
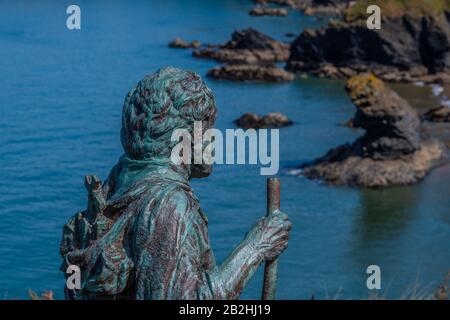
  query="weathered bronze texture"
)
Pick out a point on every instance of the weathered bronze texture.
point(271, 267)
point(143, 234)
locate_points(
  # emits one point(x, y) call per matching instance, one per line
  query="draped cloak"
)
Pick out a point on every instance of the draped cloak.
point(149, 241)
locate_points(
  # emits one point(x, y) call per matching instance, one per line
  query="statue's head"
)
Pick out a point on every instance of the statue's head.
point(160, 103)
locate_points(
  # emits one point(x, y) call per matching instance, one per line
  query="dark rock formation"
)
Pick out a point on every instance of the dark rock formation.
point(407, 48)
point(254, 121)
point(267, 11)
point(180, 43)
point(439, 114)
point(393, 150)
point(251, 73)
point(249, 56)
point(247, 46)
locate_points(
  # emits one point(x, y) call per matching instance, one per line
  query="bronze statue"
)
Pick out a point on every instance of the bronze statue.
point(143, 234)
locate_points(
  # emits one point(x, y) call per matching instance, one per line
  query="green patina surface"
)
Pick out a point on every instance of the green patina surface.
point(143, 234)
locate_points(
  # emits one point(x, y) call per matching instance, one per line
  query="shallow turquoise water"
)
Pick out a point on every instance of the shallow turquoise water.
point(61, 94)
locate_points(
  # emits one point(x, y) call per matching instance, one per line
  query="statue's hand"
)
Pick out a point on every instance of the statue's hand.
point(269, 236)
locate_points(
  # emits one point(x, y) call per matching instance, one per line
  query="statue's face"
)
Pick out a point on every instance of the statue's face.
point(201, 170)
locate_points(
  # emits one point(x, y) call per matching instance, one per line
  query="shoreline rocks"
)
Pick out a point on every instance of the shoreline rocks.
point(247, 46)
point(393, 150)
point(249, 56)
point(250, 73)
point(267, 11)
point(254, 121)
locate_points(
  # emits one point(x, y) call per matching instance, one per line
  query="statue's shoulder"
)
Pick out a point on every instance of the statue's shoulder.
point(182, 202)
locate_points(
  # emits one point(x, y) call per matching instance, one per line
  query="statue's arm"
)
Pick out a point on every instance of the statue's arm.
point(183, 263)
point(230, 278)
point(265, 241)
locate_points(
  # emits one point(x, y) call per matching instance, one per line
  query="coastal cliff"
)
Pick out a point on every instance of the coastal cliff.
point(413, 43)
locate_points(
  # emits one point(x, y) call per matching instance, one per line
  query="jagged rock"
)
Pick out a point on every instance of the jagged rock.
point(248, 46)
point(267, 11)
point(251, 73)
point(439, 114)
point(254, 121)
point(391, 152)
point(407, 48)
point(180, 43)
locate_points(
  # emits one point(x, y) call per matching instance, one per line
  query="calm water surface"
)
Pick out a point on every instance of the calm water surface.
point(61, 94)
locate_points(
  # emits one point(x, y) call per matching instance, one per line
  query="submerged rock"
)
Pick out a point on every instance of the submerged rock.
point(393, 150)
point(254, 121)
point(251, 73)
point(439, 114)
point(180, 43)
point(267, 11)
point(247, 46)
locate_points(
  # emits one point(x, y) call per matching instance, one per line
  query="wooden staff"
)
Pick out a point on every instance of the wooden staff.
point(271, 267)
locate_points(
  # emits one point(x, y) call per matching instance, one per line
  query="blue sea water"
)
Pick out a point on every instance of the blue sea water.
point(61, 94)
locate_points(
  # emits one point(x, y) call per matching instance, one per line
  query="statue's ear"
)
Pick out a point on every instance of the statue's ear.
point(92, 183)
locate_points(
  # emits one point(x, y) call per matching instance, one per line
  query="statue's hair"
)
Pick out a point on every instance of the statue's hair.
point(160, 103)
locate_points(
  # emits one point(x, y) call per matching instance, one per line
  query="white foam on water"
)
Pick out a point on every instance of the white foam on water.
point(295, 172)
point(437, 89)
point(445, 102)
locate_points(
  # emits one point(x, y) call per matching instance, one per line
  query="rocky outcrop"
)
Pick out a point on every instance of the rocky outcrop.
point(286, 3)
point(254, 121)
point(393, 151)
point(439, 114)
point(268, 11)
point(249, 56)
point(326, 7)
point(250, 73)
point(407, 48)
point(182, 44)
point(247, 46)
